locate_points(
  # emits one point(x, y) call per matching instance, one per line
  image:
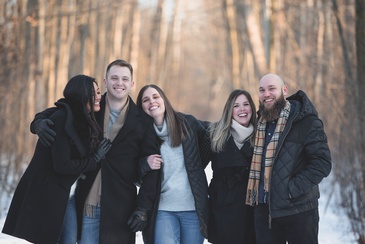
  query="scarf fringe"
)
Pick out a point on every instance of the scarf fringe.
point(252, 197)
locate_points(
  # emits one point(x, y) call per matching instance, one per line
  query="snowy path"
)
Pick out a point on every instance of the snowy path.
point(333, 225)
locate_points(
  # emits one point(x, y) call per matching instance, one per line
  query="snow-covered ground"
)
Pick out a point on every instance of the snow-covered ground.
point(333, 226)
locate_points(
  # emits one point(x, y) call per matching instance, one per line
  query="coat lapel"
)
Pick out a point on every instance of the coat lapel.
point(130, 121)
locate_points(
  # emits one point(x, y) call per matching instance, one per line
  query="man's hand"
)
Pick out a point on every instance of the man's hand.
point(138, 220)
point(44, 132)
point(103, 148)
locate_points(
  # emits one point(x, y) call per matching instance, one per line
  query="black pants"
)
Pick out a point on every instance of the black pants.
point(300, 228)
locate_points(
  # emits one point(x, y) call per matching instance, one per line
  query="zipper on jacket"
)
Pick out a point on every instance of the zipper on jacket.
point(269, 205)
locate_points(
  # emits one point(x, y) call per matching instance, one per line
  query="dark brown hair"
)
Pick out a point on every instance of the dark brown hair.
point(122, 63)
point(175, 122)
point(79, 92)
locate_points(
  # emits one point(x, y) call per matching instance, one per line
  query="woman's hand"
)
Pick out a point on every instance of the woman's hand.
point(155, 161)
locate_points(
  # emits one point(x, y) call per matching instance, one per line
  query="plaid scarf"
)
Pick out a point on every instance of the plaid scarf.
point(254, 177)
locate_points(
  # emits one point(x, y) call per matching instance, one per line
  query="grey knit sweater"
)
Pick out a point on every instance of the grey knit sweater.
point(176, 192)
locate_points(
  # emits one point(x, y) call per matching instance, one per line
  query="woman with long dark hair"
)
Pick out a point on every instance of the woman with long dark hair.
point(182, 209)
point(43, 208)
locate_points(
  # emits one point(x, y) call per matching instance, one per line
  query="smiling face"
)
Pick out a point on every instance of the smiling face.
point(153, 105)
point(97, 97)
point(242, 111)
point(271, 90)
point(118, 83)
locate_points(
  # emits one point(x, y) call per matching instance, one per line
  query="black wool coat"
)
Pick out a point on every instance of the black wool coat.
point(39, 203)
point(119, 171)
point(231, 220)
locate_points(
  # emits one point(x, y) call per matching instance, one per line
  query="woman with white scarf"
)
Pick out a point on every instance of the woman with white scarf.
point(229, 147)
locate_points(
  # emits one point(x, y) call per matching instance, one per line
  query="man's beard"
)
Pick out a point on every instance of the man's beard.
point(273, 113)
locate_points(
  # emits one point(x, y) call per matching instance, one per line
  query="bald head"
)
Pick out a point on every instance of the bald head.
point(272, 78)
point(272, 83)
point(271, 90)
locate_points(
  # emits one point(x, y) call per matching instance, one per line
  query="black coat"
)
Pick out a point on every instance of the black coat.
point(302, 160)
point(196, 175)
point(120, 170)
point(37, 209)
point(231, 220)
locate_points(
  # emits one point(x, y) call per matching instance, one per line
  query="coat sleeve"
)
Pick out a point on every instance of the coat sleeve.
point(63, 162)
point(205, 149)
point(202, 129)
point(202, 132)
point(149, 184)
point(317, 161)
point(45, 114)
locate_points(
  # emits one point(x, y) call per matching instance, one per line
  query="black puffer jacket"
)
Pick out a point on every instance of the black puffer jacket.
point(196, 175)
point(302, 160)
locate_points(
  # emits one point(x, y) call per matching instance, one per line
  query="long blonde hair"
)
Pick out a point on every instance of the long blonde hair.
point(220, 130)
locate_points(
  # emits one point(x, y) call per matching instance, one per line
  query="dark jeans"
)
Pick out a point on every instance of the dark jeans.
point(300, 228)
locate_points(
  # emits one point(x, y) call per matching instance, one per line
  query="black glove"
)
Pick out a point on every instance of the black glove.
point(103, 148)
point(138, 220)
point(43, 130)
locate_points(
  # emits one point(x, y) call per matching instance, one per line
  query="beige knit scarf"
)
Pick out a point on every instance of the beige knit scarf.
point(93, 198)
point(254, 177)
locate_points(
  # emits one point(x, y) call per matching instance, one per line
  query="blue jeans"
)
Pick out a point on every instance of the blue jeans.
point(301, 228)
point(181, 227)
point(69, 228)
point(90, 228)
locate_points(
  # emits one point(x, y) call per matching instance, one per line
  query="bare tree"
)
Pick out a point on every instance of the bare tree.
point(197, 51)
point(360, 57)
point(351, 179)
point(229, 7)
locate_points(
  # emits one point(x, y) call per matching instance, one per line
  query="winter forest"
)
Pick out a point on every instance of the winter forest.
point(197, 51)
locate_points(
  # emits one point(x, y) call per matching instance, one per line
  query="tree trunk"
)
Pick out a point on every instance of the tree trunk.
point(162, 45)
point(360, 57)
point(318, 80)
point(135, 39)
point(230, 10)
point(176, 52)
point(51, 57)
point(255, 39)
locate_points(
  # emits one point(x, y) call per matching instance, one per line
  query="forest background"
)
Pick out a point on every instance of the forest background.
point(197, 51)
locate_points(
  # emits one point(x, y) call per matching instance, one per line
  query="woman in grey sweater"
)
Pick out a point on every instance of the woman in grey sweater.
point(181, 214)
